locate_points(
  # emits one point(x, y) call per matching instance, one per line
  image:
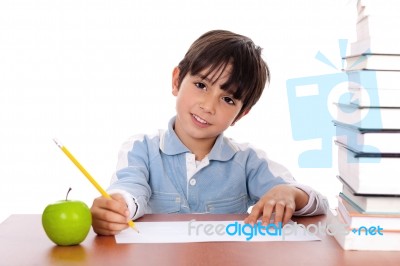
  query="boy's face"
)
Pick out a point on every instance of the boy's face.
point(203, 109)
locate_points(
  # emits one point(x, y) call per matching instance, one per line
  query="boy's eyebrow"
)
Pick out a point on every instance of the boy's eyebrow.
point(203, 77)
point(206, 78)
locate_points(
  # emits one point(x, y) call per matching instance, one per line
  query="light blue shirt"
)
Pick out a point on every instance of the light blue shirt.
point(159, 174)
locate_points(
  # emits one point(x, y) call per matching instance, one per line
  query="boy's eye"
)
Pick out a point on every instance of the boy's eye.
point(200, 85)
point(228, 100)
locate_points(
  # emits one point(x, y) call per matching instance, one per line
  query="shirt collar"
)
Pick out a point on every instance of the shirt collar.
point(170, 144)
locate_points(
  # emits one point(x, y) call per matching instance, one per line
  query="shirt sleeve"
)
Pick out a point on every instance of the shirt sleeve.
point(317, 203)
point(131, 178)
point(260, 177)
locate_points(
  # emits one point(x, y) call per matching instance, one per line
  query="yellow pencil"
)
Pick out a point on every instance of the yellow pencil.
point(88, 176)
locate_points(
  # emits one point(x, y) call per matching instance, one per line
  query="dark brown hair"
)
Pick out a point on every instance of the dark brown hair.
point(218, 48)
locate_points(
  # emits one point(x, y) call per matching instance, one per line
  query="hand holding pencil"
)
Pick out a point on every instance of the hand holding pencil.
point(109, 216)
point(109, 212)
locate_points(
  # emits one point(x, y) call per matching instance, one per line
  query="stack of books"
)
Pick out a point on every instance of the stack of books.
point(368, 132)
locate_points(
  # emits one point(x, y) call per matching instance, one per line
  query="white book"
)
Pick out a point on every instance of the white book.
point(373, 62)
point(368, 117)
point(366, 174)
point(375, 97)
point(377, 27)
point(388, 241)
point(356, 219)
point(376, 45)
point(378, 17)
point(372, 203)
point(368, 140)
point(378, 7)
point(371, 79)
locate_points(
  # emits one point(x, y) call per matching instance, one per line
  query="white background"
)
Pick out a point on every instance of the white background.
point(92, 73)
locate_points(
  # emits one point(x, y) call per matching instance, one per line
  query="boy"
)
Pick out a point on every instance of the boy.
point(192, 167)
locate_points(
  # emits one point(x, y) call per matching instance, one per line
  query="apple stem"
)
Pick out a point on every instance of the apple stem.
point(66, 197)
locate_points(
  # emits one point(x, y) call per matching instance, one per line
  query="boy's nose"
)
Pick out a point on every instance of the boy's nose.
point(208, 104)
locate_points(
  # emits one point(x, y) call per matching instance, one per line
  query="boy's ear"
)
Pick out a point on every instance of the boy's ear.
point(175, 81)
point(240, 117)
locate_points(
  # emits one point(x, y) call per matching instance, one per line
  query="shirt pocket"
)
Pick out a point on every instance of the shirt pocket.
point(229, 205)
point(161, 202)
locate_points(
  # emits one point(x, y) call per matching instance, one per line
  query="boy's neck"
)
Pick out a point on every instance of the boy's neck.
point(199, 147)
point(200, 154)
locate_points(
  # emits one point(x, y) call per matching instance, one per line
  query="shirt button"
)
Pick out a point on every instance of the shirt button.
point(192, 182)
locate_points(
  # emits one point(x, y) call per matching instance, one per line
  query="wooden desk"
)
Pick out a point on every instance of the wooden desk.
point(24, 242)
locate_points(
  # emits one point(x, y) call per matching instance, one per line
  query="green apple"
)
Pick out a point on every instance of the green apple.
point(67, 222)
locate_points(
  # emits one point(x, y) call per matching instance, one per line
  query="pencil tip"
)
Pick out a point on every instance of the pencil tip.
point(57, 142)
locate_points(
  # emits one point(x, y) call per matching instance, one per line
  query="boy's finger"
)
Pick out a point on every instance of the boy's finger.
point(288, 214)
point(118, 197)
point(114, 205)
point(279, 212)
point(107, 228)
point(105, 209)
point(110, 216)
point(267, 213)
point(254, 214)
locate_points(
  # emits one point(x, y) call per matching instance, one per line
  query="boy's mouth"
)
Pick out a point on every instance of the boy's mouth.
point(200, 120)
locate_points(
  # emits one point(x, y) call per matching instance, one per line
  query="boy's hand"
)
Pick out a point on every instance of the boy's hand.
point(109, 216)
point(281, 199)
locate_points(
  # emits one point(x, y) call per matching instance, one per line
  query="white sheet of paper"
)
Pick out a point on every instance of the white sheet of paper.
point(208, 231)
